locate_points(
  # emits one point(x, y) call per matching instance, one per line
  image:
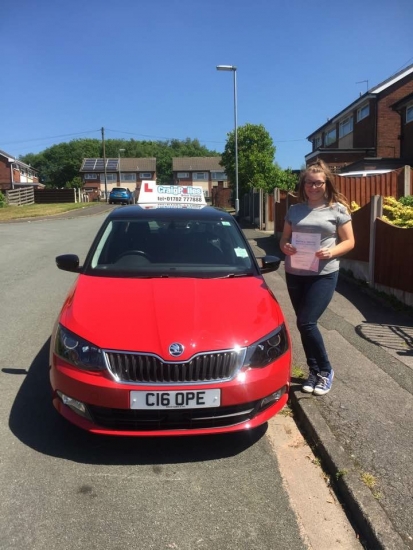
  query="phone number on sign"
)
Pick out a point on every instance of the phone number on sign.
point(179, 199)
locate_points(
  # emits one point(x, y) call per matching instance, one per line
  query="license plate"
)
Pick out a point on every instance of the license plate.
point(195, 399)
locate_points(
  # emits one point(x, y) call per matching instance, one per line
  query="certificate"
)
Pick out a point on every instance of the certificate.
point(307, 245)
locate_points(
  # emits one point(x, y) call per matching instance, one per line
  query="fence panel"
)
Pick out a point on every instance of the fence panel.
point(361, 189)
point(18, 197)
point(393, 266)
point(51, 196)
point(361, 228)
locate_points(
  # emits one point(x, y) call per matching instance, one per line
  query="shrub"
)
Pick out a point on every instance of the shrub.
point(2, 200)
point(406, 201)
point(397, 213)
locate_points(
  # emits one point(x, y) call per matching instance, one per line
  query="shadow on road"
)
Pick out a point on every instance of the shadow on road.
point(34, 421)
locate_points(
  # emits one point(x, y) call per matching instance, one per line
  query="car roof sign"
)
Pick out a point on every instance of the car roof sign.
point(170, 195)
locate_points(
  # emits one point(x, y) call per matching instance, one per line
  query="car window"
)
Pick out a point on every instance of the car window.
point(171, 247)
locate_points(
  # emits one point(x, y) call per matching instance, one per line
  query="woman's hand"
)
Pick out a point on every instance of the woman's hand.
point(289, 249)
point(324, 254)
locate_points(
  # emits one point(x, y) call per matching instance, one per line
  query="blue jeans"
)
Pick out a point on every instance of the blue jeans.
point(310, 296)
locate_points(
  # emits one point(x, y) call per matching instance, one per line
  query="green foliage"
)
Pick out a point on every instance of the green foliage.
point(396, 213)
point(76, 183)
point(59, 165)
point(285, 179)
point(256, 168)
point(255, 157)
point(406, 201)
point(2, 200)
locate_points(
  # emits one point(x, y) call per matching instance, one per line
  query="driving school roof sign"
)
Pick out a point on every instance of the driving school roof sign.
point(151, 193)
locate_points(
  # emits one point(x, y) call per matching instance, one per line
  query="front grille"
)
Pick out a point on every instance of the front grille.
point(189, 419)
point(139, 368)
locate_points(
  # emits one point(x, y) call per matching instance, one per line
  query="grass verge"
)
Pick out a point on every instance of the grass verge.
point(8, 213)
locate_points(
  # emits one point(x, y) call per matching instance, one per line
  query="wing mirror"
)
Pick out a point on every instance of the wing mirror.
point(269, 263)
point(68, 262)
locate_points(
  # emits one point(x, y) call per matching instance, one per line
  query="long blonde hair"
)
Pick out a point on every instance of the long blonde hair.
point(331, 193)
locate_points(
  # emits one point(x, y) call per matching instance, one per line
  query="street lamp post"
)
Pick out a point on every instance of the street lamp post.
point(234, 71)
point(119, 152)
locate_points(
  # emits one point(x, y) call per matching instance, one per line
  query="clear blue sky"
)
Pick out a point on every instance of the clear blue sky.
point(145, 69)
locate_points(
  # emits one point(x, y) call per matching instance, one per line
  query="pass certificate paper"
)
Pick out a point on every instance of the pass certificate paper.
point(307, 245)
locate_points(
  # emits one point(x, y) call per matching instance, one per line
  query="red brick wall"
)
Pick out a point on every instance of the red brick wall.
point(388, 121)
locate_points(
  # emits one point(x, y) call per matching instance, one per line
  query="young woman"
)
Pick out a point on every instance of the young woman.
point(316, 232)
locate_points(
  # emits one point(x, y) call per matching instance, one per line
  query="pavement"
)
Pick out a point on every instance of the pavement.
point(362, 430)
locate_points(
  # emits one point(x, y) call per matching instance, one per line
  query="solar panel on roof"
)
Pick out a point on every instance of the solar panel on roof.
point(112, 164)
point(99, 164)
point(89, 164)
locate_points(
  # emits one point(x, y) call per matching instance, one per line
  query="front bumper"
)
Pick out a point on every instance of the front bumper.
point(108, 409)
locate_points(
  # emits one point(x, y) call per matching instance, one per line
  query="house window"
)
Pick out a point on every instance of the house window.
point(200, 176)
point(109, 177)
point(221, 176)
point(182, 175)
point(330, 136)
point(409, 113)
point(317, 142)
point(91, 177)
point(363, 112)
point(346, 126)
point(145, 175)
point(128, 176)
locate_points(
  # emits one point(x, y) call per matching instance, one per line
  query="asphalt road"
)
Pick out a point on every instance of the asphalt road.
point(63, 488)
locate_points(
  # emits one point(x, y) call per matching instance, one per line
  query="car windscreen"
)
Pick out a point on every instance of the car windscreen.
point(171, 248)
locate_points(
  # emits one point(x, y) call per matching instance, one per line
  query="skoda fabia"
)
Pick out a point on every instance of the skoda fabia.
point(169, 328)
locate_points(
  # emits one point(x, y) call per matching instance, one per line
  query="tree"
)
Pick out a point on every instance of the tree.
point(256, 167)
point(59, 165)
point(285, 179)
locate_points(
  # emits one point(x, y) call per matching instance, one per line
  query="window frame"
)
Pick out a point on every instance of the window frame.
point(327, 139)
point(110, 177)
point(409, 113)
point(195, 176)
point(344, 125)
point(145, 175)
point(131, 177)
point(221, 177)
point(361, 112)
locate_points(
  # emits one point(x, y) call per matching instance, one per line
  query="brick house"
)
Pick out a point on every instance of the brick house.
point(375, 131)
point(120, 172)
point(16, 174)
point(205, 172)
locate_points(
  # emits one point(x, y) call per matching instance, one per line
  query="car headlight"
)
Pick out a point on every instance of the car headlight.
point(267, 350)
point(77, 351)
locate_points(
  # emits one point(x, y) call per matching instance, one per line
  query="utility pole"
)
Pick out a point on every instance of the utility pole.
point(104, 164)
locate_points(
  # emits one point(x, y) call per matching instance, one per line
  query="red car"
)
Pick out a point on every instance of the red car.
point(170, 328)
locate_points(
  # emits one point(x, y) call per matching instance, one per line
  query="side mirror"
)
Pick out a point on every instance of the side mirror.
point(269, 263)
point(68, 262)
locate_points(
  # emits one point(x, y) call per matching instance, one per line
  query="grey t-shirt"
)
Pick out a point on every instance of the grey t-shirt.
point(323, 220)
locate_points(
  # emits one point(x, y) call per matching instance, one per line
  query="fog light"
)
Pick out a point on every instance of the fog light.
point(273, 398)
point(74, 404)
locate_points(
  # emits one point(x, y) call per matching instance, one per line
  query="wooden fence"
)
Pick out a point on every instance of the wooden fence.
point(50, 196)
point(19, 197)
point(383, 254)
point(398, 183)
